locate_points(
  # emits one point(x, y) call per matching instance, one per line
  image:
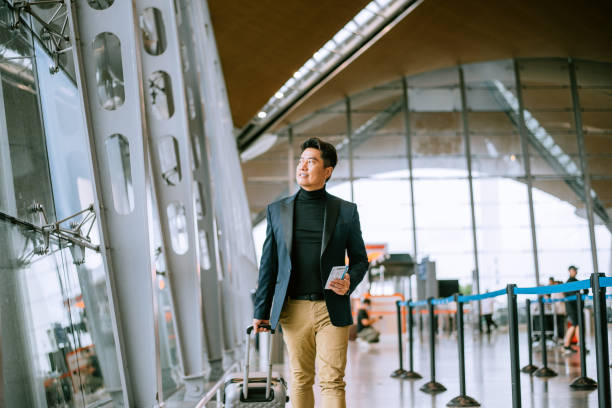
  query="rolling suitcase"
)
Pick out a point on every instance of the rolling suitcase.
point(256, 389)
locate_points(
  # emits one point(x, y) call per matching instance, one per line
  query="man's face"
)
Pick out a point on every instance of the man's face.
point(573, 272)
point(311, 173)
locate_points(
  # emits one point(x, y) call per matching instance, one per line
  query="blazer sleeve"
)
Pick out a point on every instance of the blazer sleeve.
point(268, 270)
point(355, 248)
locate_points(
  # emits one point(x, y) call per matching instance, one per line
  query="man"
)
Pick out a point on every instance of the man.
point(571, 311)
point(307, 235)
point(365, 330)
point(488, 307)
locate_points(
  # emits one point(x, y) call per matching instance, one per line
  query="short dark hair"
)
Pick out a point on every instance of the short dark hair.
point(572, 267)
point(367, 301)
point(328, 151)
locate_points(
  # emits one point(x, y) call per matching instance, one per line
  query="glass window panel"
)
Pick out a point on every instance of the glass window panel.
point(120, 173)
point(267, 175)
point(169, 161)
point(444, 232)
point(593, 74)
point(384, 210)
point(545, 71)
point(166, 325)
point(153, 31)
point(109, 71)
point(160, 94)
point(437, 141)
point(546, 98)
point(100, 4)
point(24, 171)
point(178, 227)
point(561, 228)
point(378, 98)
point(168, 341)
point(503, 233)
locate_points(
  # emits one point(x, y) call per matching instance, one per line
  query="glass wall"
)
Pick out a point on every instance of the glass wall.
point(58, 345)
point(514, 171)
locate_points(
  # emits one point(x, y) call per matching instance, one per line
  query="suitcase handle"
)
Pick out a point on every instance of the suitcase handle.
point(263, 326)
point(245, 381)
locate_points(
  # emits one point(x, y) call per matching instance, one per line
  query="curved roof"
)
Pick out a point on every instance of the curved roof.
point(261, 44)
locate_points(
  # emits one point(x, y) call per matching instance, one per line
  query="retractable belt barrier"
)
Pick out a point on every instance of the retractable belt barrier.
point(597, 283)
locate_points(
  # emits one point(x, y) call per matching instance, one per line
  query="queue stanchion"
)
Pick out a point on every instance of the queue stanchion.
point(583, 382)
point(410, 374)
point(514, 346)
point(462, 400)
point(601, 341)
point(529, 368)
point(432, 387)
point(543, 372)
point(400, 371)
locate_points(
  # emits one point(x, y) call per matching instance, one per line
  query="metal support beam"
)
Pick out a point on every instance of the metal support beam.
point(408, 131)
point(110, 78)
point(584, 162)
point(209, 265)
point(235, 242)
point(349, 135)
point(527, 167)
point(290, 162)
point(167, 116)
point(468, 157)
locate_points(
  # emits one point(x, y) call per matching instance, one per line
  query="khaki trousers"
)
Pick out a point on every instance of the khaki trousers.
point(310, 336)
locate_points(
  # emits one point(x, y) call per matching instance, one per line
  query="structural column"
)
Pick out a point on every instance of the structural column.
point(527, 168)
point(468, 156)
point(349, 135)
point(167, 116)
point(109, 79)
point(290, 163)
point(408, 131)
point(209, 264)
point(584, 163)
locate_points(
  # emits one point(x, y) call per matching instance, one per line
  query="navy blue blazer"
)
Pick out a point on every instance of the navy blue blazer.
point(341, 234)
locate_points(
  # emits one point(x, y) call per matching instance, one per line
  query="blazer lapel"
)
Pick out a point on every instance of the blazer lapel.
point(287, 221)
point(332, 208)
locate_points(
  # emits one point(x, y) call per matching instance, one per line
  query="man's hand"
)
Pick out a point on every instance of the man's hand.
point(257, 323)
point(341, 286)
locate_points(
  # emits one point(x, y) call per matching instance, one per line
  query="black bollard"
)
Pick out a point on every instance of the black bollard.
point(529, 368)
point(400, 371)
point(410, 374)
point(583, 382)
point(432, 387)
point(514, 346)
point(601, 342)
point(543, 372)
point(462, 400)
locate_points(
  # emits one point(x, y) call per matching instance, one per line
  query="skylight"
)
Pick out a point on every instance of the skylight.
point(365, 22)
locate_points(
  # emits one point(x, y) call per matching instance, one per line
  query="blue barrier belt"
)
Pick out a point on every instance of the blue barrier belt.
point(565, 299)
point(547, 290)
point(470, 298)
point(605, 281)
point(417, 303)
point(443, 301)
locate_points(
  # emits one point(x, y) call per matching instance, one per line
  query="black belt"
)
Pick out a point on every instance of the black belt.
point(310, 296)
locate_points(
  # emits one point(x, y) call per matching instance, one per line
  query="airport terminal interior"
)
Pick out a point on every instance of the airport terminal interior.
point(141, 142)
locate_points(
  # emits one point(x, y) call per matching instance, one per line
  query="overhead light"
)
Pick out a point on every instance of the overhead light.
point(279, 95)
point(262, 115)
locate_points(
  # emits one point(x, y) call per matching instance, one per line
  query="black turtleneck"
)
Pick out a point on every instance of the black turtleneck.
point(308, 216)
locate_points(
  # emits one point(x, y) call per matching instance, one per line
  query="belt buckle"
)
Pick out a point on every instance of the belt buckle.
point(313, 296)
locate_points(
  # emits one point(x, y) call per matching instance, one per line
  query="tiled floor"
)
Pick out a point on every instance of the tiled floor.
point(487, 372)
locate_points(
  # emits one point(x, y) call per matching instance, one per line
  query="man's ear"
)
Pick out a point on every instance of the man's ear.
point(328, 172)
